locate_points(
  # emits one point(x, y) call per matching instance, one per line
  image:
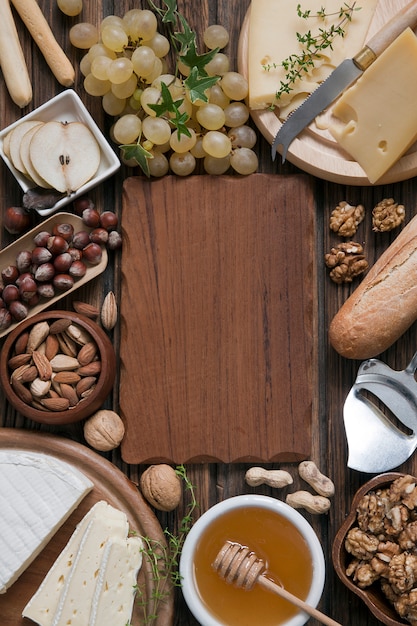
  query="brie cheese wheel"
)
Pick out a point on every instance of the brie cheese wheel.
point(273, 25)
point(38, 493)
point(93, 581)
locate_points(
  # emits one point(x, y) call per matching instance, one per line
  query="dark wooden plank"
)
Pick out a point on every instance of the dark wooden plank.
point(218, 315)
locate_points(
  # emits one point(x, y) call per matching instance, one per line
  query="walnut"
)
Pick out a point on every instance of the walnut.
point(396, 519)
point(403, 572)
point(161, 486)
point(402, 488)
point(407, 539)
point(345, 218)
point(346, 261)
point(371, 512)
point(360, 544)
point(387, 215)
point(104, 430)
point(406, 606)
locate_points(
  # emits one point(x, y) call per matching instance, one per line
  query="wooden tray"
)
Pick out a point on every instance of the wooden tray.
point(218, 313)
point(315, 151)
point(110, 484)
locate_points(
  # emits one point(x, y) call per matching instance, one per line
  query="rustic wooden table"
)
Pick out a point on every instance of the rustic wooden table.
point(215, 482)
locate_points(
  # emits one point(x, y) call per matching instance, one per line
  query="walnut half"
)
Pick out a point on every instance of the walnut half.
point(387, 215)
point(346, 261)
point(346, 218)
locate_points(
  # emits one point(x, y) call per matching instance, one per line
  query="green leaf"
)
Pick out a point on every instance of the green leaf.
point(198, 85)
point(180, 123)
point(171, 12)
point(166, 104)
point(139, 154)
point(187, 37)
point(192, 59)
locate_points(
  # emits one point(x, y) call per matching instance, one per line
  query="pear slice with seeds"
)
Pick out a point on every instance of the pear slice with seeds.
point(65, 154)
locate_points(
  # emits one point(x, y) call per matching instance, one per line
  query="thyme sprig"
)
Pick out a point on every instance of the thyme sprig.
point(297, 66)
point(163, 557)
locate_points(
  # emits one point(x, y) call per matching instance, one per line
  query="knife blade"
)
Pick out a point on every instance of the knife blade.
point(341, 78)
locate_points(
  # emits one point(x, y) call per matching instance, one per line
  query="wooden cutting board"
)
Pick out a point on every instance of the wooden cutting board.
point(218, 313)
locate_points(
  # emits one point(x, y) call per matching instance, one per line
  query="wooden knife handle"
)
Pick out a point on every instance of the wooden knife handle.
point(396, 25)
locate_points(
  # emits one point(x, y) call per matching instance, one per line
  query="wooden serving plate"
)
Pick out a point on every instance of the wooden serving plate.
point(315, 151)
point(218, 318)
point(110, 484)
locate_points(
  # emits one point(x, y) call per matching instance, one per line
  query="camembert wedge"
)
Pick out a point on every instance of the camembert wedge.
point(93, 580)
point(38, 493)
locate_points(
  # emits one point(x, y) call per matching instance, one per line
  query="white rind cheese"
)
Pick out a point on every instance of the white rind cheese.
point(273, 25)
point(38, 493)
point(93, 580)
point(376, 119)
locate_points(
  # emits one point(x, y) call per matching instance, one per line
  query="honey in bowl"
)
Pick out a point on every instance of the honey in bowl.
point(276, 541)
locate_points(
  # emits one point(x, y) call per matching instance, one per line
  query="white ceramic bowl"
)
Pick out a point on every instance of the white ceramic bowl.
point(66, 107)
point(187, 568)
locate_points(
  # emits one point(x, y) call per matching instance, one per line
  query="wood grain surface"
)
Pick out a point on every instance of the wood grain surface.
point(218, 313)
point(216, 481)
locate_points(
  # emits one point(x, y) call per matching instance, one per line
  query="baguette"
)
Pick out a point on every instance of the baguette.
point(12, 60)
point(43, 36)
point(384, 305)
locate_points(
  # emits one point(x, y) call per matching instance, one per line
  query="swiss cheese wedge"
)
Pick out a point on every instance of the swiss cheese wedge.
point(375, 120)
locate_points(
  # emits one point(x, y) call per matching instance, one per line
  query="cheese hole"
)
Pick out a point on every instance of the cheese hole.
point(382, 146)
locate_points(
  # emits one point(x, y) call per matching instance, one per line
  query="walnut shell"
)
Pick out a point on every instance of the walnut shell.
point(161, 487)
point(104, 430)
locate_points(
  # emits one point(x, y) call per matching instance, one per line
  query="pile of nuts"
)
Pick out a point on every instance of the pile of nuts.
point(56, 261)
point(54, 366)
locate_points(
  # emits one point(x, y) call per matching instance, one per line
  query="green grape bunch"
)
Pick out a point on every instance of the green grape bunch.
point(168, 121)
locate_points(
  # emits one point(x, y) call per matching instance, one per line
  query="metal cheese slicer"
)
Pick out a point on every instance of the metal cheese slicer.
point(380, 416)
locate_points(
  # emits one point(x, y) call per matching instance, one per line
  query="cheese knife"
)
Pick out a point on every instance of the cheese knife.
point(341, 78)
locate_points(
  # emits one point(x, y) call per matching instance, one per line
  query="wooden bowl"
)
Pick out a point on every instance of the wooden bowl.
point(371, 596)
point(85, 407)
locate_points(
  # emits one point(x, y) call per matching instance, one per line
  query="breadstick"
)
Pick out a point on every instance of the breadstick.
point(43, 36)
point(12, 60)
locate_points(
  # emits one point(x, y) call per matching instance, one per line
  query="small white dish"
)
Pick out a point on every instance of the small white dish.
point(200, 532)
point(65, 107)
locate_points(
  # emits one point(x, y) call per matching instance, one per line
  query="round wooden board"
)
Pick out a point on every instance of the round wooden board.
point(110, 484)
point(315, 151)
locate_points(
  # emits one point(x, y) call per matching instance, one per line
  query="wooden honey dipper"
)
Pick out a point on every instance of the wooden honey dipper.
point(239, 565)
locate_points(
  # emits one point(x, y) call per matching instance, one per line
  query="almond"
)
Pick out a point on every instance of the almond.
point(39, 388)
point(86, 309)
point(37, 335)
point(51, 346)
point(21, 391)
point(67, 391)
point(109, 312)
point(78, 334)
point(84, 384)
point(29, 374)
point(59, 326)
point(70, 378)
point(66, 344)
point(91, 369)
point(87, 353)
point(62, 362)
point(19, 359)
point(21, 343)
point(55, 404)
point(43, 365)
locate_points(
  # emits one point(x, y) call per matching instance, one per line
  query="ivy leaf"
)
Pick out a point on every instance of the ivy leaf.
point(192, 59)
point(139, 154)
point(180, 123)
point(185, 38)
point(167, 104)
point(198, 84)
point(169, 16)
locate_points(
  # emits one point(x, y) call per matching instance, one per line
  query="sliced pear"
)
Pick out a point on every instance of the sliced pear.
point(26, 160)
point(15, 140)
point(6, 144)
point(65, 154)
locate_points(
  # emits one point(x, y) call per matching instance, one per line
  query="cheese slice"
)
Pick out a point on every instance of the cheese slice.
point(38, 493)
point(273, 25)
point(93, 580)
point(376, 119)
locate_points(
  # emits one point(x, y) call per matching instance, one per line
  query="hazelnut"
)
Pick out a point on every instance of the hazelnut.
point(161, 487)
point(104, 430)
